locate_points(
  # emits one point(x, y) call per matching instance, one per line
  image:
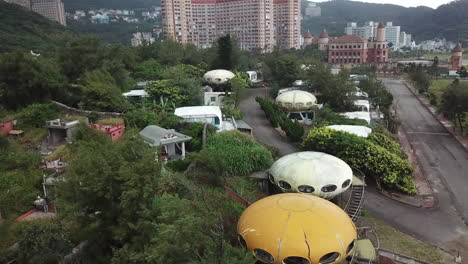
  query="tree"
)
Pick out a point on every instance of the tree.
point(455, 102)
point(108, 193)
point(166, 90)
point(43, 241)
point(227, 53)
point(25, 79)
point(435, 66)
point(462, 72)
point(333, 89)
point(281, 68)
point(378, 94)
point(233, 153)
point(78, 54)
point(148, 70)
point(238, 86)
point(100, 92)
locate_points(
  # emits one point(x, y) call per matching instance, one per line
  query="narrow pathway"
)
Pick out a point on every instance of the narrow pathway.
point(262, 129)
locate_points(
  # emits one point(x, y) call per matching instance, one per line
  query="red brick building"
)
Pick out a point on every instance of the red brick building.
point(352, 49)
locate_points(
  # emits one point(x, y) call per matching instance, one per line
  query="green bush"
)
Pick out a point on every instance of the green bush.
point(35, 115)
point(179, 165)
point(278, 118)
point(326, 117)
point(386, 142)
point(235, 154)
point(195, 131)
point(363, 154)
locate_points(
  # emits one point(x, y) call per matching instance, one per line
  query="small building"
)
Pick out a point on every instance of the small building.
point(362, 105)
point(172, 142)
point(6, 125)
point(218, 77)
point(212, 98)
point(296, 228)
point(243, 127)
point(253, 76)
point(298, 105)
point(309, 172)
point(60, 131)
point(358, 115)
point(201, 114)
point(114, 127)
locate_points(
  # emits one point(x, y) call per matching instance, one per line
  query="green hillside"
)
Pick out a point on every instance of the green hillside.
point(449, 21)
point(25, 30)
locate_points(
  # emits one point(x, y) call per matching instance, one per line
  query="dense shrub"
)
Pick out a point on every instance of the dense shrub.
point(35, 115)
point(195, 131)
point(386, 142)
point(326, 117)
point(278, 118)
point(20, 179)
point(389, 168)
point(234, 153)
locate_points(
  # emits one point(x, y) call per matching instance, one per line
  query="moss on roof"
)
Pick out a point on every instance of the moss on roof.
point(110, 121)
point(62, 152)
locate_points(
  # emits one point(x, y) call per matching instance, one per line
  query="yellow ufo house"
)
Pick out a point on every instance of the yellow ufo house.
point(294, 228)
point(315, 173)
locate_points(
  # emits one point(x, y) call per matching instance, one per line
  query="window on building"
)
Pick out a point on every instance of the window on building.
point(213, 99)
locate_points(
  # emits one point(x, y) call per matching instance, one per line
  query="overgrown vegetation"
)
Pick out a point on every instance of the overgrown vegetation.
point(234, 153)
point(374, 160)
point(278, 118)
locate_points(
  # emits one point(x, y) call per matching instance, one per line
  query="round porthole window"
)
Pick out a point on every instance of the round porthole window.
point(329, 188)
point(306, 189)
point(346, 183)
point(329, 258)
point(264, 256)
point(284, 185)
point(295, 260)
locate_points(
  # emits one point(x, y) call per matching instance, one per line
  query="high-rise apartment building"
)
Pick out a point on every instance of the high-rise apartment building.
point(369, 31)
point(52, 9)
point(257, 24)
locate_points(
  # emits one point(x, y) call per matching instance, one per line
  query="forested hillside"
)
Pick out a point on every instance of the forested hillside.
point(25, 30)
point(449, 21)
point(72, 5)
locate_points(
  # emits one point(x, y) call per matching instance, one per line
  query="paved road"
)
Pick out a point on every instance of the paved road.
point(441, 226)
point(262, 129)
point(445, 163)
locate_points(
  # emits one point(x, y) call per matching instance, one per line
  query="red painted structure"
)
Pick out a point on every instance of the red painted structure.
point(114, 131)
point(456, 59)
point(6, 127)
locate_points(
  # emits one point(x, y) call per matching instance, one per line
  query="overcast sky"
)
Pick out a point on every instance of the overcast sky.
point(407, 3)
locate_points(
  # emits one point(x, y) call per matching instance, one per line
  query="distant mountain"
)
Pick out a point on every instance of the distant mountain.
point(21, 29)
point(449, 21)
point(72, 5)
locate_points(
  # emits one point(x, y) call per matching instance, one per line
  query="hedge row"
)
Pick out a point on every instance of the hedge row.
point(235, 154)
point(374, 160)
point(293, 129)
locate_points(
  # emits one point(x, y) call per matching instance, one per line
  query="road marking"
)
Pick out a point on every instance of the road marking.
point(429, 133)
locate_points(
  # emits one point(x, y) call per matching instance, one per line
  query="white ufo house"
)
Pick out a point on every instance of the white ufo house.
point(218, 76)
point(315, 173)
point(297, 104)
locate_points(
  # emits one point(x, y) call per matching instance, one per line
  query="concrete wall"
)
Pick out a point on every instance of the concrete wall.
point(73, 111)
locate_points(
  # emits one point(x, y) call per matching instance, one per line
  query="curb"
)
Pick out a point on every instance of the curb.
point(455, 136)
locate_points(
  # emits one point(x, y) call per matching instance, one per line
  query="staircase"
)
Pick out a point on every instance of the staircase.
point(354, 206)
